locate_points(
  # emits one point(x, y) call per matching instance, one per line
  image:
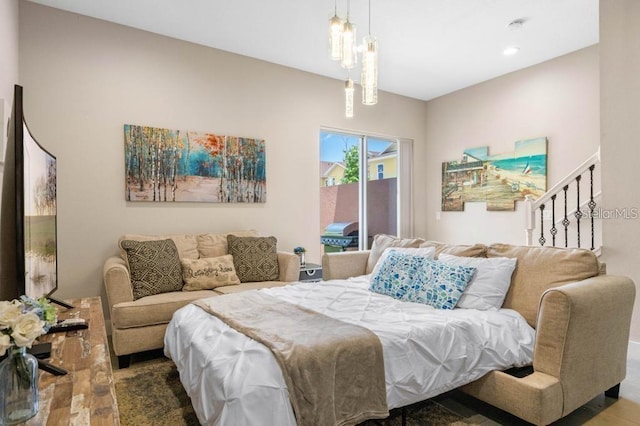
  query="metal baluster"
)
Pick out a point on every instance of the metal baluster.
point(542, 240)
point(553, 229)
point(578, 213)
point(565, 221)
point(592, 206)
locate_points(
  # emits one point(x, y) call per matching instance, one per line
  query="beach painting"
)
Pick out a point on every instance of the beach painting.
point(499, 180)
point(164, 165)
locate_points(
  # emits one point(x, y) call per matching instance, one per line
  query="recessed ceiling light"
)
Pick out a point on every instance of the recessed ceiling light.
point(511, 50)
point(516, 24)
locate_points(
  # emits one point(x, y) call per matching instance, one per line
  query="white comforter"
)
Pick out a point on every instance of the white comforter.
point(233, 380)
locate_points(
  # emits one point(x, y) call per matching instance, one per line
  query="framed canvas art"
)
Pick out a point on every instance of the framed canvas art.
point(164, 165)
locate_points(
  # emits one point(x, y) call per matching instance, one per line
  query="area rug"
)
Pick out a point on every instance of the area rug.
point(150, 393)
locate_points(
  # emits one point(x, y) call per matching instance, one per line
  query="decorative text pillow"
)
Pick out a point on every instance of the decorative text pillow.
point(154, 266)
point(489, 285)
point(208, 273)
point(255, 258)
point(422, 280)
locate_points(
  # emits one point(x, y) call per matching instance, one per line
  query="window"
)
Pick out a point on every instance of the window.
point(360, 187)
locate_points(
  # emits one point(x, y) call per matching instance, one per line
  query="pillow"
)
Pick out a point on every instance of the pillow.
point(383, 241)
point(208, 273)
point(422, 280)
point(154, 266)
point(186, 243)
point(255, 258)
point(429, 252)
point(214, 245)
point(490, 284)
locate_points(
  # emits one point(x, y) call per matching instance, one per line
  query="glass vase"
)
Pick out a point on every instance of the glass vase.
point(18, 386)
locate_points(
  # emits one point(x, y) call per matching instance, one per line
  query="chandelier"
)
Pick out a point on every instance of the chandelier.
point(343, 47)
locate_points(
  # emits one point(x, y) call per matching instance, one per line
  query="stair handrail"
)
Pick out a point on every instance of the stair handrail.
point(531, 204)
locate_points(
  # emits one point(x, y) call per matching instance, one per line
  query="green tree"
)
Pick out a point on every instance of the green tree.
point(351, 165)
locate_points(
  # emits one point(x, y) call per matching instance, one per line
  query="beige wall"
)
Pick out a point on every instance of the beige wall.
point(8, 64)
point(620, 123)
point(558, 99)
point(85, 78)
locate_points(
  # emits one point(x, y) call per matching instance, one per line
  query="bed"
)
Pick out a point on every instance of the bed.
point(232, 379)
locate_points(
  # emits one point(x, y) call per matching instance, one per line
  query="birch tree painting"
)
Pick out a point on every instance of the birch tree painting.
point(166, 165)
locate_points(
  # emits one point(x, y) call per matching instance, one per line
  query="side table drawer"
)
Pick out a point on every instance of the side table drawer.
point(311, 272)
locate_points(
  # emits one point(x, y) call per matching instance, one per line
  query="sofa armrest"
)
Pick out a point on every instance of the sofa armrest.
point(583, 335)
point(344, 264)
point(117, 282)
point(289, 266)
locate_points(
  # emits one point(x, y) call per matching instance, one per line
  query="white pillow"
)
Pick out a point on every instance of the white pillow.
point(429, 252)
point(489, 285)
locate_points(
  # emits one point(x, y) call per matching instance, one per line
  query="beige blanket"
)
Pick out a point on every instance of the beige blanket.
point(334, 370)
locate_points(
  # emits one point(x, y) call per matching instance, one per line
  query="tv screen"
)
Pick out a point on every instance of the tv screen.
point(39, 192)
point(28, 224)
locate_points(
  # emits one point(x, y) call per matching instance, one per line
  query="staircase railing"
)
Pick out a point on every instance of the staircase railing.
point(572, 210)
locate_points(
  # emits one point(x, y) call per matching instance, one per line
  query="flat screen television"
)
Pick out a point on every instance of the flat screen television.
point(28, 222)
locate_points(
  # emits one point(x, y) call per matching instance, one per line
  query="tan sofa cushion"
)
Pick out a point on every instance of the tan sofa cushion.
point(476, 250)
point(541, 268)
point(156, 309)
point(382, 241)
point(187, 244)
point(249, 286)
point(214, 245)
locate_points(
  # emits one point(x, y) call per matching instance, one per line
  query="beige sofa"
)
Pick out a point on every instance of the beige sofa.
point(139, 325)
point(581, 315)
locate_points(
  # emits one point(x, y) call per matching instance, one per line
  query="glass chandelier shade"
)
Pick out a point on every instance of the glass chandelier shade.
point(369, 80)
point(335, 38)
point(349, 49)
point(348, 98)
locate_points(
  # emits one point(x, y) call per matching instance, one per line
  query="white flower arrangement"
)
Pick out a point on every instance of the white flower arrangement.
point(23, 321)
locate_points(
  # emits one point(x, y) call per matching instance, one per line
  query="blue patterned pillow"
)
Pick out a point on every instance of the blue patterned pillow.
point(422, 280)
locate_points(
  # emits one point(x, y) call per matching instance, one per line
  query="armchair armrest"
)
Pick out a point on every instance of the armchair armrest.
point(289, 266)
point(344, 264)
point(117, 281)
point(583, 336)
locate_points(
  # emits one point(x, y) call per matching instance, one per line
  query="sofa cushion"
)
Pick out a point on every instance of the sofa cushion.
point(250, 286)
point(541, 268)
point(255, 258)
point(208, 273)
point(420, 279)
point(383, 241)
point(489, 285)
point(214, 245)
point(475, 250)
point(154, 266)
point(187, 244)
point(156, 309)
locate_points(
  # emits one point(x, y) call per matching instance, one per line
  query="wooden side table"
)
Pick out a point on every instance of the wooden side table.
point(86, 395)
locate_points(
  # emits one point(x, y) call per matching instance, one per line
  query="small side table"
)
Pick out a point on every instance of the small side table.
point(311, 272)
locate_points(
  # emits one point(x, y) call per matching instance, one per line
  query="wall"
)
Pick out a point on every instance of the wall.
point(558, 99)
point(620, 93)
point(85, 78)
point(8, 65)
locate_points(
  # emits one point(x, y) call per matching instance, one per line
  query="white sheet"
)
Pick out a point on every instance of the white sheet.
point(233, 380)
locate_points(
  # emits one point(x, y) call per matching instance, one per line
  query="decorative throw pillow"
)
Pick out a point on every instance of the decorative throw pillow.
point(214, 245)
point(489, 285)
point(422, 280)
point(208, 273)
point(255, 258)
point(429, 252)
point(154, 266)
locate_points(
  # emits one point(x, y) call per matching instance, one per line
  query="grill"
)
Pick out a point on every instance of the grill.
point(340, 236)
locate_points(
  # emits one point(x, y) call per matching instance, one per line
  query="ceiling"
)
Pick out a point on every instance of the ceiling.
point(428, 48)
